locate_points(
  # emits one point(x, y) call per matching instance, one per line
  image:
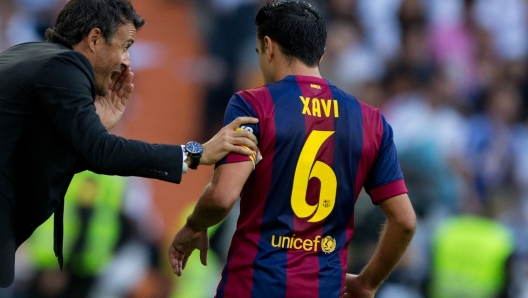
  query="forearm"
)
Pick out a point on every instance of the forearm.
point(207, 212)
point(392, 244)
point(220, 195)
point(112, 155)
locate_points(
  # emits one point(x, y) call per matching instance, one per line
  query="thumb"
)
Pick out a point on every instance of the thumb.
point(345, 295)
point(203, 257)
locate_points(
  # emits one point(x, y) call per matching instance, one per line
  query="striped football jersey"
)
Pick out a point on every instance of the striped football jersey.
point(319, 148)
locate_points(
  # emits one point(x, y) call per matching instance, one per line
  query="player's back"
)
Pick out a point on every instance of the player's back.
point(296, 219)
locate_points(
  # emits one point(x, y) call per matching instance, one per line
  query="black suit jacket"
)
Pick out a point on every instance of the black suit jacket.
point(49, 131)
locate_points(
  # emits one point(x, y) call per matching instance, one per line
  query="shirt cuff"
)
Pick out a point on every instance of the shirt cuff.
point(388, 190)
point(185, 168)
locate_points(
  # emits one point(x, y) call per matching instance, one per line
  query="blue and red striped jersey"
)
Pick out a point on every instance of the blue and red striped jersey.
point(320, 147)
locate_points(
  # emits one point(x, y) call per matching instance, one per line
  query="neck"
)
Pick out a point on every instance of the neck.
point(296, 68)
point(85, 50)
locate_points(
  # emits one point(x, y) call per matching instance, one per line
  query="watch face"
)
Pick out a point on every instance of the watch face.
point(194, 148)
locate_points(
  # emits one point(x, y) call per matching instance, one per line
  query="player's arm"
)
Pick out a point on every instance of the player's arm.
point(214, 205)
point(395, 237)
point(220, 195)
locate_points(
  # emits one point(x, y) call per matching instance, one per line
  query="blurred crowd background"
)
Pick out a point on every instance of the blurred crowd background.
point(450, 76)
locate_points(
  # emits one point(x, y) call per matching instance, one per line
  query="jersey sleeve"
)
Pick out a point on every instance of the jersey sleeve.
point(239, 107)
point(386, 178)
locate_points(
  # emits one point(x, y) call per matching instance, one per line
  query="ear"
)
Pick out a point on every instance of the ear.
point(269, 47)
point(94, 37)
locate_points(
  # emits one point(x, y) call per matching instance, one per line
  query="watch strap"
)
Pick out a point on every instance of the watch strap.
point(195, 161)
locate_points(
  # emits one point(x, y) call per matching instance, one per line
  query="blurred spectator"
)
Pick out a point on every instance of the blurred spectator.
point(135, 270)
point(475, 253)
point(454, 45)
point(337, 10)
point(380, 22)
point(491, 139)
point(411, 13)
point(430, 137)
point(93, 228)
point(348, 62)
point(16, 25)
point(110, 243)
point(507, 22)
point(470, 258)
point(42, 13)
point(228, 29)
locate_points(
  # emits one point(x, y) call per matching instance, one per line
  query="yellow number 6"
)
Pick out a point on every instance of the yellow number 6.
point(304, 172)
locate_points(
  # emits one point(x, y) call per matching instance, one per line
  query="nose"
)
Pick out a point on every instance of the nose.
point(125, 61)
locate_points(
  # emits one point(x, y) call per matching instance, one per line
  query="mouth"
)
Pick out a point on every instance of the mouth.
point(115, 74)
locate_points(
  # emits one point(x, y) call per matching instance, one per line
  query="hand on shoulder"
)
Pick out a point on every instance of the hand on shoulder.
point(228, 140)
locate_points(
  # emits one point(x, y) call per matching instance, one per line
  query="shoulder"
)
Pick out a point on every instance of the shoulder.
point(61, 63)
point(258, 98)
point(253, 94)
point(42, 63)
point(370, 111)
point(61, 56)
point(60, 68)
point(45, 51)
point(36, 56)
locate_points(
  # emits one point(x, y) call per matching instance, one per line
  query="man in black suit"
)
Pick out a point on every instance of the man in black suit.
point(58, 99)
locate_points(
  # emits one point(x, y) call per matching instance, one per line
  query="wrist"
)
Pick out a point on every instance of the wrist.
point(366, 282)
point(187, 161)
point(192, 226)
point(205, 154)
point(194, 154)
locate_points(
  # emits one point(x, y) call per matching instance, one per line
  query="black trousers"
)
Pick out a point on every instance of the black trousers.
point(7, 243)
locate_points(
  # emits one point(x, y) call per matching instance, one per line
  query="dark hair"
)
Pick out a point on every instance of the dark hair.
point(79, 17)
point(296, 26)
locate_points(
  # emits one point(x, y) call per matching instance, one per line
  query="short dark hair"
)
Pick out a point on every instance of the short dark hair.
point(296, 26)
point(79, 17)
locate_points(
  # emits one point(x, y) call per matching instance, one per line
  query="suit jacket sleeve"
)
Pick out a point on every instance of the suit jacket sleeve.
point(65, 89)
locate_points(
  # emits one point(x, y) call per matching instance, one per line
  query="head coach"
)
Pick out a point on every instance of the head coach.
point(58, 99)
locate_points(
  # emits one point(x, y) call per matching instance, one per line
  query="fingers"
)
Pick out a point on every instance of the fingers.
point(124, 74)
point(123, 82)
point(242, 150)
point(183, 261)
point(230, 139)
point(117, 80)
point(125, 77)
point(179, 266)
point(203, 257)
point(178, 260)
point(125, 90)
point(174, 260)
point(241, 120)
point(345, 293)
point(120, 96)
point(183, 244)
point(177, 257)
point(245, 138)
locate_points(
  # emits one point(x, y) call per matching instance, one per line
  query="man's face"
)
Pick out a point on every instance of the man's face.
point(112, 58)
